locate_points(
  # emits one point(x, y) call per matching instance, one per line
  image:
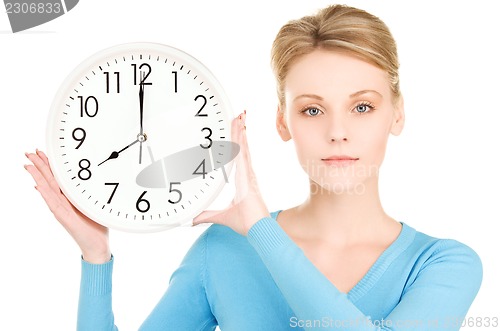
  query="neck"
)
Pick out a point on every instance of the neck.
point(344, 217)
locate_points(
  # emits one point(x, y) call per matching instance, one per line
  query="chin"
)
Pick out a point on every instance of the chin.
point(337, 186)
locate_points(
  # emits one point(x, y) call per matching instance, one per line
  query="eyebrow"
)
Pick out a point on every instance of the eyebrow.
point(356, 94)
point(353, 95)
point(311, 96)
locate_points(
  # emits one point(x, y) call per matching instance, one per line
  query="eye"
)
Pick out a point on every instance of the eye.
point(363, 107)
point(311, 111)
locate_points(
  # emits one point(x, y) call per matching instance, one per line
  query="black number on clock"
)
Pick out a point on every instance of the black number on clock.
point(84, 172)
point(79, 139)
point(114, 190)
point(142, 201)
point(142, 79)
point(117, 74)
point(175, 80)
point(208, 138)
point(203, 106)
point(175, 190)
point(203, 171)
point(90, 106)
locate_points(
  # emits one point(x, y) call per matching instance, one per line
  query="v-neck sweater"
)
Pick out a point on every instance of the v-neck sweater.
point(265, 282)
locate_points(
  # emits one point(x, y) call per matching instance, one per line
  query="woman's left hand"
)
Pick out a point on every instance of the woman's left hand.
point(247, 206)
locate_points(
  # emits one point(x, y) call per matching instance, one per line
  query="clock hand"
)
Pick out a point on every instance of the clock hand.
point(141, 103)
point(115, 154)
point(141, 113)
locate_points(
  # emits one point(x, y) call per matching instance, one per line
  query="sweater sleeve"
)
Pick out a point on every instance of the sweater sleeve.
point(184, 305)
point(442, 292)
point(94, 306)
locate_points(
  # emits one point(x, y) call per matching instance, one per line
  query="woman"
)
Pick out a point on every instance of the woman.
point(337, 260)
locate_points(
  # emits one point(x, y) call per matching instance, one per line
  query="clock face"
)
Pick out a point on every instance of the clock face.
point(139, 137)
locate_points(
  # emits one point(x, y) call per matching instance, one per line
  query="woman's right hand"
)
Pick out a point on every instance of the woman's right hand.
point(91, 237)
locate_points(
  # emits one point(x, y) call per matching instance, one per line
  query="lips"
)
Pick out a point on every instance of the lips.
point(340, 160)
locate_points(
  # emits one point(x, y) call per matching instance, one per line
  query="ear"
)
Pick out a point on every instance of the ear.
point(281, 125)
point(398, 120)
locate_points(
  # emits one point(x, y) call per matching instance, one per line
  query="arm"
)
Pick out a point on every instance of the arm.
point(94, 306)
point(443, 290)
point(92, 238)
point(184, 306)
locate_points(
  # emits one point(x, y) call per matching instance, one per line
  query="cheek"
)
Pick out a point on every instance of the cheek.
point(306, 140)
point(373, 143)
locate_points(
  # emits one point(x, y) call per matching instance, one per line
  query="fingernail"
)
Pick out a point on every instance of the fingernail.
point(245, 111)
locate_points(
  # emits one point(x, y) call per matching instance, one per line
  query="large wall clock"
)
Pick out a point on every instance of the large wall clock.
point(139, 137)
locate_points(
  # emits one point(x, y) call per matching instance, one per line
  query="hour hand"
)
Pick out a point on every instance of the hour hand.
point(115, 154)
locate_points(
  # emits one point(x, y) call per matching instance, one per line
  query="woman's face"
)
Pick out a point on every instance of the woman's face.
point(339, 111)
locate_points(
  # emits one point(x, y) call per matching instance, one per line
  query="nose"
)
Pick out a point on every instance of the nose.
point(337, 130)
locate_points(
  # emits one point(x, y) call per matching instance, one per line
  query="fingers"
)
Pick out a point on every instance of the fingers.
point(49, 176)
point(42, 175)
point(35, 170)
point(44, 157)
point(209, 216)
point(41, 162)
point(245, 172)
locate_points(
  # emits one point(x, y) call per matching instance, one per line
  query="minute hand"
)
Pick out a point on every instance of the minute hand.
point(115, 154)
point(141, 105)
point(141, 115)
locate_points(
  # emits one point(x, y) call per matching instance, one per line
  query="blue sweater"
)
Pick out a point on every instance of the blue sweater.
point(265, 282)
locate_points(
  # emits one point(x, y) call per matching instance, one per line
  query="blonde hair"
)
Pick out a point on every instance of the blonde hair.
point(336, 28)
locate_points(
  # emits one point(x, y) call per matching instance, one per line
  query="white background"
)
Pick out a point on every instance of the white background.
point(441, 176)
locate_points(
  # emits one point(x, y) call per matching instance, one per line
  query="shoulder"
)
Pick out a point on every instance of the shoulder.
point(445, 250)
point(446, 259)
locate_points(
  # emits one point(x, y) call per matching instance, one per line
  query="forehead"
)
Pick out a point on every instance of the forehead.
point(324, 73)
